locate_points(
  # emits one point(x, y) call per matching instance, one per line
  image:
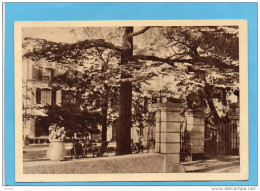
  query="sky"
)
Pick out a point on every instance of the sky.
point(110, 34)
point(66, 34)
point(57, 34)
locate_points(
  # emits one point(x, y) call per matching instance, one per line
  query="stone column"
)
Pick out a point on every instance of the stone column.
point(167, 134)
point(196, 132)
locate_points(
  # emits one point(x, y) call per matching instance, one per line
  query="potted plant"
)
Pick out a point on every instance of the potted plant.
point(56, 150)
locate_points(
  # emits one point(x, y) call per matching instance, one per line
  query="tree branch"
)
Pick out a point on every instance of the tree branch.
point(197, 83)
point(223, 86)
point(54, 51)
point(199, 61)
point(158, 59)
point(139, 32)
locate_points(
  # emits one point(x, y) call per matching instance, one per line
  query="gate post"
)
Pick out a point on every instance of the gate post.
point(167, 134)
point(196, 130)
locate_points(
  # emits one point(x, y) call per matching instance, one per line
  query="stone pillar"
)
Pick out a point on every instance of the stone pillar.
point(196, 133)
point(167, 134)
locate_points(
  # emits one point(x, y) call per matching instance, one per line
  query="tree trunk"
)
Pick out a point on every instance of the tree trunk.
point(123, 131)
point(123, 134)
point(104, 113)
point(104, 100)
point(218, 122)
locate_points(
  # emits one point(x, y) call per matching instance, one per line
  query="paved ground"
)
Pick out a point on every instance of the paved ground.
point(37, 156)
point(133, 163)
point(227, 163)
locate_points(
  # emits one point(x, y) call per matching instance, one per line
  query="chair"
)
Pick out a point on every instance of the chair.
point(99, 151)
point(87, 148)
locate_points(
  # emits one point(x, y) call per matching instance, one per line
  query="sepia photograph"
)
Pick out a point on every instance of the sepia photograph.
point(131, 101)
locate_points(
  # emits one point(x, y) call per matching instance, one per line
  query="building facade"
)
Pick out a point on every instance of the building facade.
point(36, 94)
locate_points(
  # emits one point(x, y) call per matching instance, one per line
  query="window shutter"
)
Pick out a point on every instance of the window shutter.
point(38, 96)
point(37, 73)
point(34, 73)
point(46, 74)
point(40, 74)
point(53, 97)
point(53, 73)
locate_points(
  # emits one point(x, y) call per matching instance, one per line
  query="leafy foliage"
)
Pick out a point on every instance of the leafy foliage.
point(199, 65)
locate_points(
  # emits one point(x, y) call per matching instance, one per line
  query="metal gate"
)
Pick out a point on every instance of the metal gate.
point(228, 139)
point(223, 141)
point(184, 136)
point(232, 138)
point(210, 142)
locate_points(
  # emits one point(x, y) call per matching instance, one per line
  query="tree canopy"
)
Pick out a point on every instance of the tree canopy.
point(199, 63)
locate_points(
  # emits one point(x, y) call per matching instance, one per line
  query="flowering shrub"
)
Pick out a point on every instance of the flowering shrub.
point(56, 133)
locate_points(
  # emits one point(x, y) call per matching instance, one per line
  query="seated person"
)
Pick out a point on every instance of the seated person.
point(77, 149)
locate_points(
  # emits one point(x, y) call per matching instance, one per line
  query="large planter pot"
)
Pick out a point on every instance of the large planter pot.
point(56, 150)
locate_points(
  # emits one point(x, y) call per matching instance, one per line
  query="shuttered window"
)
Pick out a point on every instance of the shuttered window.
point(46, 74)
point(36, 73)
point(45, 96)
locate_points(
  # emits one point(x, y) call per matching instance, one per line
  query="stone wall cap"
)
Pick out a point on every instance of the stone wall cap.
point(197, 113)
